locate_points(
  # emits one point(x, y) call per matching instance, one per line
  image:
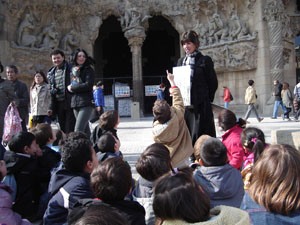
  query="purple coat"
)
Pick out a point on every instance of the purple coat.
point(7, 215)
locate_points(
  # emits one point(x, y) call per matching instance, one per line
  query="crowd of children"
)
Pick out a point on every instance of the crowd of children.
point(76, 179)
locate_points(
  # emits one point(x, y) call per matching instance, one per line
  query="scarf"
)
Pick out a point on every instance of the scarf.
point(190, 60)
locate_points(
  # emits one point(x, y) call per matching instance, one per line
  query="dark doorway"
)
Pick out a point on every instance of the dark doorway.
point(112, 55)
point(160, 53)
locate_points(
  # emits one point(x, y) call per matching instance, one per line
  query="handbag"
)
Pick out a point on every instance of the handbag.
point(12, 123)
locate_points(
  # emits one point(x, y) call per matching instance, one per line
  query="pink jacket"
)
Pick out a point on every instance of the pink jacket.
point(232, 140)
point(7, 215)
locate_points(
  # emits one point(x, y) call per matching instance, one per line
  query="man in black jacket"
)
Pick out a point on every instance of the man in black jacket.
point(59, 79)
point(278, 99)
point(21, 91)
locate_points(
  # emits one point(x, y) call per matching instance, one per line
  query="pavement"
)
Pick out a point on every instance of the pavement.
point(136, 135)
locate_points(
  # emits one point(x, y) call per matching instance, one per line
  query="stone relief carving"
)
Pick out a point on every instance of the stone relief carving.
point(250, 5)
point(48, 38)
point(132, 18)
point(273, 10)
point(286, 55)
point(94, 23)
point(70, 41)
point(26, 37)
point(237, 57)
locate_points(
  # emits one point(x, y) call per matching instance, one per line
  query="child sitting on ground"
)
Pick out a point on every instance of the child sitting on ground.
point(21, 162)
point(111, 181)
point(170, 128)
point(152, 164)
point(253, 140)
point(222, 182)
point(59, 136)
point(7, 215)
point(179, 200)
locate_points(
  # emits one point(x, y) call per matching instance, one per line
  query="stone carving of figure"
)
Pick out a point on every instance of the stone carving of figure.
point(94, 24)
point(25, 32)
point(222, 29)
point(70, 41)
point(203, 34)
point(212, 29)
point(132, 18)
point(239, 29)
point(49, 37)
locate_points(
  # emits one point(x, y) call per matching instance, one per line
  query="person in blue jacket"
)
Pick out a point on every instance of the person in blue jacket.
point(98, 95)
point(160, 92)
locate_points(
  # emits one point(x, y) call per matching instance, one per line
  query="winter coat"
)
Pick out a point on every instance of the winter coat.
point(220, 215)
point(174, 134)
point(65, 189)
point(132, 211)
point(7, 215)
point(204, 81)
point(260, 216)
point(7, 95)
point(287, 98)
point(250, 96)
point(232, 140)
point(39, 99)
point(21, 91)
point(223, 184)
point(83, 91)
point(277, 92)
point(143, 194)
point(51, 78)
point(98, 97)
point(25, 170)
point(226, 95)
point(297, 92)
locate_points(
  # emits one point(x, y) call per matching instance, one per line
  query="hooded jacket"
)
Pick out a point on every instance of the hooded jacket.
point(143, 194)
point(7, 215)
point(223, 184)
point(65, 189)
point(224, 215)
point(132, 211)
point(174, 134)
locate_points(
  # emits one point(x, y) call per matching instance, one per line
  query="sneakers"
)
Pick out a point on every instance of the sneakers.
point(261, 119)
point(273, 117)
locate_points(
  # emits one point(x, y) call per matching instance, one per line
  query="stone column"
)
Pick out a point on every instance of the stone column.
point(274, 12)
point(136, 37)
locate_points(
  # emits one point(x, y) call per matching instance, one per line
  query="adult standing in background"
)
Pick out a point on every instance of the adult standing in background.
point(250, 100)
point(82, 75)
point(287, 100)
point(21, 92)
point(39, 98)
point(297, 101)
point(7, 95)
point(278, 99)
point(59, 79)
point(161, 92)
point(204, 83)
point(226, 97)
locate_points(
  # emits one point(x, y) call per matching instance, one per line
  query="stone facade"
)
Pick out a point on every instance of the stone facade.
point(247, 39)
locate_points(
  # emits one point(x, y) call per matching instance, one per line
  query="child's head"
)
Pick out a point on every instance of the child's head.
point(59, 136)
point(275, 180)
point(198, 145)
point(25, 143)
point(101, 214)
point(77, 154)
point(227, 120)
point(109, 120)
point(44, 134)
point(213, 153)
point(154, 162)
point(108, 143)
point(111, 180)
point(253, 140)
point(2, 170)
point(161, 111)
point(178, 196)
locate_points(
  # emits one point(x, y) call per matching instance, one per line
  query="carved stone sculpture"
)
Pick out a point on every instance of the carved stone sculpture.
point(49, 37)
point(132, 18)
point(203, 33)
point(25, 32)
point(222, 30)
point(94, 23)
point(69, 41)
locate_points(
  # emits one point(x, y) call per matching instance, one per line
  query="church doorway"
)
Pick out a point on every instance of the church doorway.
point(112, 55)
point(160, 52)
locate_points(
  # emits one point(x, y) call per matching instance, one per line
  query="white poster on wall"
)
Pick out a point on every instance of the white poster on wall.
point(182, 79)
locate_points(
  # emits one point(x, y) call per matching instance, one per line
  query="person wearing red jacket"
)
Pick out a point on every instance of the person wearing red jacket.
point(226, 97)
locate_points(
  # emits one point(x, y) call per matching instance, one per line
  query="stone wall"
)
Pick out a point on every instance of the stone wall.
point(247, 39)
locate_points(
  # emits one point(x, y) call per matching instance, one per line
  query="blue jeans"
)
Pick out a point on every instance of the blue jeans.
point(276, 106)
point(226, 105)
